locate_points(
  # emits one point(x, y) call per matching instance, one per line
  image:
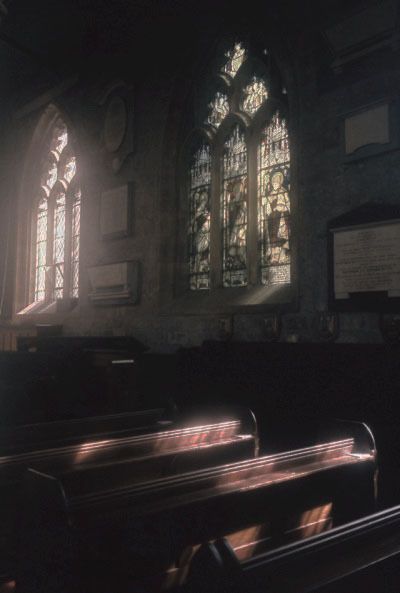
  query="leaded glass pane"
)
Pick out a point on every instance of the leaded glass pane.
point(70, 169)
point(234, 209)
point(49, 174)
point(59, 140)
point(199, 218)
point(59, 246)
point(76, 223)
point(254, 95)
point(41, 246)
point(236, 58)
point(274, 202)
point(219, 109)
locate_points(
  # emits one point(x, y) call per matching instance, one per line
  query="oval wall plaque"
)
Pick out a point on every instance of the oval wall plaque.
point(115, 124)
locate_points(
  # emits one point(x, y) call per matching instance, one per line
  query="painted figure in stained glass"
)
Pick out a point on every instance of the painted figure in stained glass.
point(235, 209)
point(277, 206)
point(254, 96)
point(236, 58)
point(274, 204)
point(199, 224)
point(236, 223)
point(201, 230)
point(219, 109)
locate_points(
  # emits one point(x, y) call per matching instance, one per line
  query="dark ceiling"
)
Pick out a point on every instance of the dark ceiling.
point(44, 41)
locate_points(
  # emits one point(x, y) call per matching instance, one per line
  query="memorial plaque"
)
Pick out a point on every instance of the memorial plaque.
point(116, 283)
point(368, 127)
point(115, 212)
point(366, 259)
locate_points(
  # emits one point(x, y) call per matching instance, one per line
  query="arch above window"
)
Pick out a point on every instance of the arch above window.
point(238, 189)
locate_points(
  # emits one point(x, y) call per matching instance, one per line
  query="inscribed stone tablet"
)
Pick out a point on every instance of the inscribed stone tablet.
point(367, 260)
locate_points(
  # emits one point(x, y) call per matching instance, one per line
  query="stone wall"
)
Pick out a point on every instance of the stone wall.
point(323, 90)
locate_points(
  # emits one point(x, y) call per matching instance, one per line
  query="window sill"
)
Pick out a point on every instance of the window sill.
point(48, 307)
point(249, 299)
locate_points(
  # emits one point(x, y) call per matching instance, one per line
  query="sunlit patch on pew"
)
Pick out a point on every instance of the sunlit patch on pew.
point(310, 522)
point(246, 542)
point(87, 449)
point(8, 587)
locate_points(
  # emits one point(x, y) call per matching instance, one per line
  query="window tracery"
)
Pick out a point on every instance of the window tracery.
point(242, 172)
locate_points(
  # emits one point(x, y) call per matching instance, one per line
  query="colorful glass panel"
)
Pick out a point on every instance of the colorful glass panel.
point(219, 109)
point(236, 58)
point(199, 218)
point(274, 202)
point(41, 247)
point(254, 95)
point(76, 228)
point(234, 209)
point(59, 246)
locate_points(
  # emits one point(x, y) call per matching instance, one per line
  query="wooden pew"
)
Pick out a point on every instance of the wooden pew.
point(146, 456)
point(41, 435)
point(360, 556)
point(143, 534)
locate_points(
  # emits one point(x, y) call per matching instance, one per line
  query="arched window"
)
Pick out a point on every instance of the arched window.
point(56, 221)
point(239, 179)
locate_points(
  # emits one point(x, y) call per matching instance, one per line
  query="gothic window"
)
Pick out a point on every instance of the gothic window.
point(56, 222)
point(239, 179)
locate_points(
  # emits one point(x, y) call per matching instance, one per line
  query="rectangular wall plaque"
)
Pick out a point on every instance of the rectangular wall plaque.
point(115, 212)
point(368, 127)
point(115, 284)
point(366, 259)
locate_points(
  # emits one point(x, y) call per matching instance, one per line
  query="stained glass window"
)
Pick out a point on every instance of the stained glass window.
point(57, 221)
point(41, 246)
point(234, 209)
point(274, 202)
point(199, 231)
point(239, 181)
point(219, 109)
point(236, 57)
point(254, 96)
